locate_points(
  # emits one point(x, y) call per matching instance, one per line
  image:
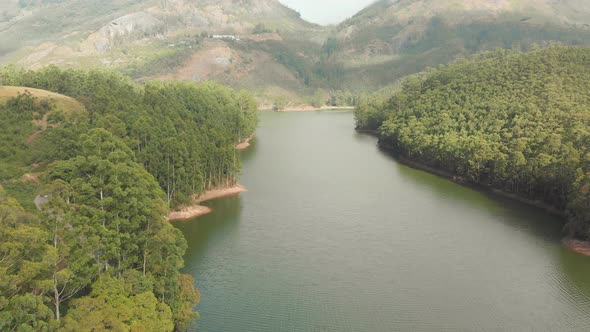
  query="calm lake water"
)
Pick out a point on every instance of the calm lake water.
point(335, 235)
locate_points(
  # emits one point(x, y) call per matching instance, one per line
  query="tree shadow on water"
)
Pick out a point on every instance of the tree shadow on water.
point(574, 280)
point(513, 213)
point(203, 232)
point(248, 153)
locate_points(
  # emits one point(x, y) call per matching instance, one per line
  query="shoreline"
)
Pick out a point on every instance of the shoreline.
point(245, 143)
point(305, 108)
point(475, 186)
point(197, 210)
point(577, 246)
point(188, 212)
point(219, 193)
point(460, 180)
point(367, 131)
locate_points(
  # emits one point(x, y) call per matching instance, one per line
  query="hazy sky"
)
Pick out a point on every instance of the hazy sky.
point(326, 11)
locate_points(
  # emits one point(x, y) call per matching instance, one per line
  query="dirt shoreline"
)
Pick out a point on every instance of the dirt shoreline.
point(305, 108)
point(219, 193)
point(189, 212)
point(245, 143)
point(579, 246)
point(197, 210)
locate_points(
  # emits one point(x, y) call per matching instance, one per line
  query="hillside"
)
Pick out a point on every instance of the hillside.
point(60, 102)
point(265, 47)
point(83, 28)
point(228, 41)
point(391, 39)
point(25, 115)
point(90, 165)
point(516, 122)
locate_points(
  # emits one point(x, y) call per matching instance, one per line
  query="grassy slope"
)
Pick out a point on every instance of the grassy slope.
point(58, 20)
point(18, 175)
point(60, 102)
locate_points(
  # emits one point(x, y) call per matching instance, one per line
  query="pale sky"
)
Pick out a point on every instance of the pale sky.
point(327, 11)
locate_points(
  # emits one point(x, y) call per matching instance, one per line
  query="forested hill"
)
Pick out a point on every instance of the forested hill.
point(106, 160)
point(513, 121)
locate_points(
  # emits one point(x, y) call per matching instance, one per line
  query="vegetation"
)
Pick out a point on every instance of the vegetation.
point(101, 254)
point(163, 63)
point(260, 28)
point(182, 133)
point(107, 158)
point(513, 121)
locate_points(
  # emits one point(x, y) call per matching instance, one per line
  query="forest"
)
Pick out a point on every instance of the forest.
point(511, 121)
point(97, 252)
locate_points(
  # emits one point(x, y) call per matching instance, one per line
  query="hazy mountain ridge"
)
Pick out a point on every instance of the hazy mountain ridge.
point(393, 38)
point(89, 26)
point(407, 12)
point(269, 48)
point(156, 38)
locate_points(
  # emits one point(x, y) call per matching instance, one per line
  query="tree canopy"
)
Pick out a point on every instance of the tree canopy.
point(100, 254)
point(513, 121)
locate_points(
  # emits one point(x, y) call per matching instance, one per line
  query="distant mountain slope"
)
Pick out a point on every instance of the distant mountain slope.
point(151, 38)
point(266, 47)
point(28, 22)
point(393, 38)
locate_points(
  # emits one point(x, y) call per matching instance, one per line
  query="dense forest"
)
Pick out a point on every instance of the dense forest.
point(517, 122)
point(95, 250)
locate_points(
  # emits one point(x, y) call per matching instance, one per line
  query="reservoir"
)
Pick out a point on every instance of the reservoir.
point(335, 235)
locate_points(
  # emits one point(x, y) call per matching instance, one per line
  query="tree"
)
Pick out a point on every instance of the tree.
point(112, 305)
point(22, 248)
point(108, 167)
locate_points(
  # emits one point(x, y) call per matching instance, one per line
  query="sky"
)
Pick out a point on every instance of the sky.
point(327, 11)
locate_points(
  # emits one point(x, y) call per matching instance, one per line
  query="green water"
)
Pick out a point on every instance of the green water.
point(335, 235)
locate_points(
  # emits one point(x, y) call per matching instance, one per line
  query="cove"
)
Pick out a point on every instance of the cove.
point(335, 235)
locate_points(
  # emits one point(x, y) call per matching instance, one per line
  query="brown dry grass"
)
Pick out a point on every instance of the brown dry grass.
point(61, 102)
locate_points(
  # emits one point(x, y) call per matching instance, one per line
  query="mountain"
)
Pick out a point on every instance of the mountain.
point(394, 38)
point(230, 41)
point(88, 27)
point(265, 47)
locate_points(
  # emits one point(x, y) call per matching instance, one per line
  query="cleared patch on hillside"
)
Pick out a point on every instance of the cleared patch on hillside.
point(214, 58)
point(240, 65)
point(60, 102)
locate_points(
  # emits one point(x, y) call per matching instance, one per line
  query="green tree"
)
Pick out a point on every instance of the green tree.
point(112, 305)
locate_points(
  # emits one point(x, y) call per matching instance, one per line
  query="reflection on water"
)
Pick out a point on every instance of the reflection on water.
point(335, 235)
point(249, 153)
point(576, 270)
point(513, 213)
point(204, 232)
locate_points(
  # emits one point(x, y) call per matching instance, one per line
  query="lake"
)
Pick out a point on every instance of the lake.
point(335, 235)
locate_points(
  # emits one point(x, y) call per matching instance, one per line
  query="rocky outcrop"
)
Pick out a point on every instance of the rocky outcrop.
point(139, 24)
